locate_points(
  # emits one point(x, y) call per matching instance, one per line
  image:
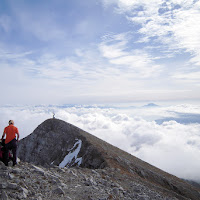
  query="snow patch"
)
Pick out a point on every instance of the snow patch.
point(72, 154)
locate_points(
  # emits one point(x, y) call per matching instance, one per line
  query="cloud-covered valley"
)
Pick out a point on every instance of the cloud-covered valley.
point(162, 136)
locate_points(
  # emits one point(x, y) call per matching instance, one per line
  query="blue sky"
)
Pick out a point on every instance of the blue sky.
point(99, 51)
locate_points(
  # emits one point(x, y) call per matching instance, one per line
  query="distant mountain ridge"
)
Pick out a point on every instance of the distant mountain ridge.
point(55, 142)
point(150, 105)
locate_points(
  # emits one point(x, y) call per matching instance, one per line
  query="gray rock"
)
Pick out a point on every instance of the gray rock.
point(4, 196)
point(39, 170)
point(115, 191)
point(63, 185)
point(59, 191)
point(13, 186)
point(4, 174)
point(2, 166)
point(24, 190)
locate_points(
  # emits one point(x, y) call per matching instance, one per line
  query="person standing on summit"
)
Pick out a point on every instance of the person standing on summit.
point(11, 142)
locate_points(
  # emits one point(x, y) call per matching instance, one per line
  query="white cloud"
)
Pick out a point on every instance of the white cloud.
point(169, 146)
point(7, 56)
point(175, 150)
point(189, 76)
point(184, 108)
point(114, 45)
point(173, 23)
point(186, 30)
point(113, 51)
point(138, 63)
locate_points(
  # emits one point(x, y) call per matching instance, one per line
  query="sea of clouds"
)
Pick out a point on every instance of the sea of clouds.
point(165, 136)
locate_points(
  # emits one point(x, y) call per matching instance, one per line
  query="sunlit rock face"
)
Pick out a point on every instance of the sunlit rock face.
point(59, 143)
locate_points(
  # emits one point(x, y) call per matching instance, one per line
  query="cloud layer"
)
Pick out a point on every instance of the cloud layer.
point(171, 146)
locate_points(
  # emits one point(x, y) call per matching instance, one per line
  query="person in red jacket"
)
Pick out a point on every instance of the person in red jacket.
point(11, 142)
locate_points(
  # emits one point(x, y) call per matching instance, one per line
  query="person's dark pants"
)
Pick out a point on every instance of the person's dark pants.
point(12, 145)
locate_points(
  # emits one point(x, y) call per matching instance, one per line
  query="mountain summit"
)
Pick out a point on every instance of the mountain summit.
point(58, 143)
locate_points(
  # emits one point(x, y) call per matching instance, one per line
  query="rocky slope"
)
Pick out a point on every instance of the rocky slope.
point(100, 170)
point(28, 181)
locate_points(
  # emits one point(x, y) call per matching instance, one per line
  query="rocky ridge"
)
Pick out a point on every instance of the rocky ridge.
point(89, 168)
